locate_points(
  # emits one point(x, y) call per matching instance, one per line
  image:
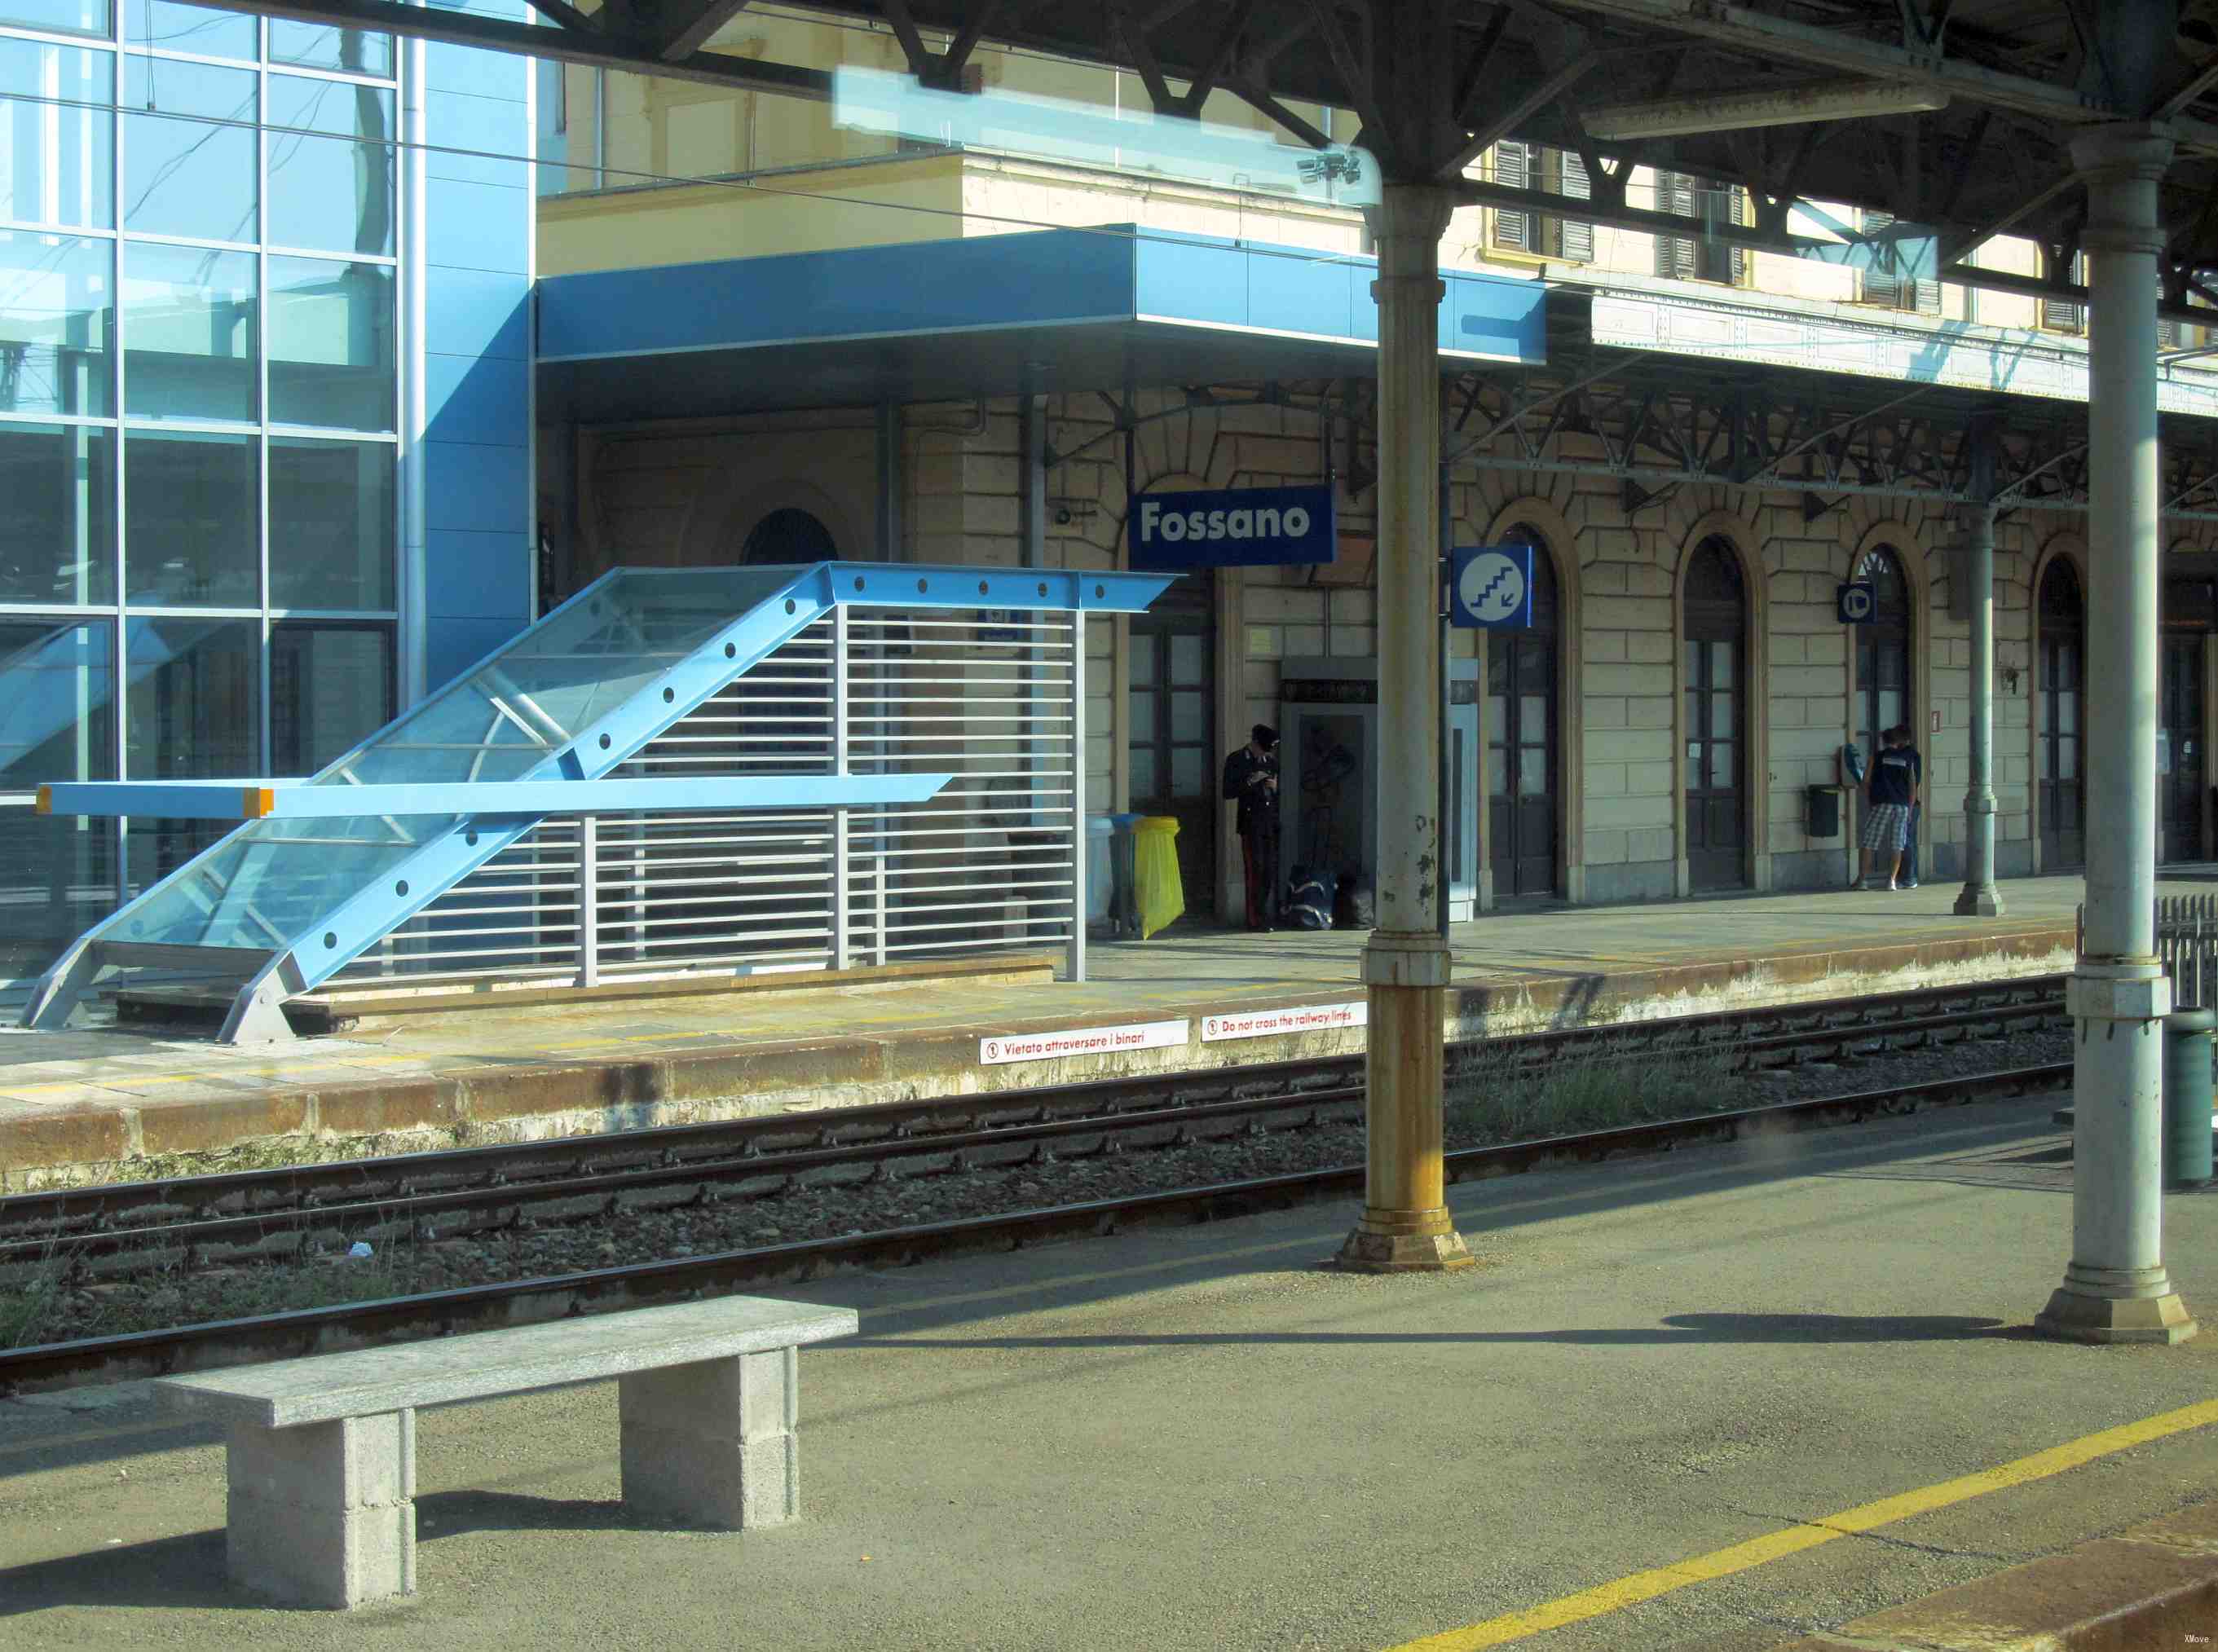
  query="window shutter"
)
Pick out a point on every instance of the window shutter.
point(1881, 284)
point(1674, 254)
point(2168, 335)
point(1575, 239)
point(2061, 315)
point(1739, 210)
point(1929, 297)
point(1512, 170)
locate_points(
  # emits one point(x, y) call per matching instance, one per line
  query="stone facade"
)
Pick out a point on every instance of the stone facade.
point(692, 493)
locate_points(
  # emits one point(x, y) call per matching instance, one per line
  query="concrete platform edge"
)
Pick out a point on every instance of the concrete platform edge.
point(2153, 1585)
point(71, 1141)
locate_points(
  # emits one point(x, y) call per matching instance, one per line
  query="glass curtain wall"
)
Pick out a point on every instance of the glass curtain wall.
point(198, 424)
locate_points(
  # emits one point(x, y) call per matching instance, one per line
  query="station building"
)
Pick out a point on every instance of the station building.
point(356, 419)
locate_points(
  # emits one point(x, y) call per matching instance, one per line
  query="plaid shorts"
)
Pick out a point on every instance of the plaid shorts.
point(1886, 826)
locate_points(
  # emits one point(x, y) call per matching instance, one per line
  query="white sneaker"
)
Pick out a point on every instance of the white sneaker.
point(1892, 887)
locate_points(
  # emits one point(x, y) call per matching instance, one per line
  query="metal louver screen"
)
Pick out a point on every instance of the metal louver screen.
point(988, 864)
point(1575, 238)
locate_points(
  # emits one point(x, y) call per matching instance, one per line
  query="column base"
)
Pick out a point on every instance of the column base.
point(1439, 1249)
point(2074, 1316)
point(1979, 901)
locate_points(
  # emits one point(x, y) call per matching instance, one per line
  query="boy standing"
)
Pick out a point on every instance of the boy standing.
point(1890, 793)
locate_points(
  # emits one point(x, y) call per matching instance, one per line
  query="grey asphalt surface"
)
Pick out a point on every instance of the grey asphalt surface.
point(1197, 1439)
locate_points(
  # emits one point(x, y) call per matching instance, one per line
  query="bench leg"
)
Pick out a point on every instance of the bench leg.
point(712, 1443)
point(325, 1514)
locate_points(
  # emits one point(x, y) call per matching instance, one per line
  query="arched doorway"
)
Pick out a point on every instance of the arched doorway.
point(1523, 741)
point(2061, 798)
point(1171, 745)
point(1884, 655)
point(1715, 629)
point(787, 535)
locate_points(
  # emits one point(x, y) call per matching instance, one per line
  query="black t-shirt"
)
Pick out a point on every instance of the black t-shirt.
point(1895, 773)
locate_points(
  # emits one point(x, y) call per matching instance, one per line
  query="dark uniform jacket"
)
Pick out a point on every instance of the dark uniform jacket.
point(1244, 773)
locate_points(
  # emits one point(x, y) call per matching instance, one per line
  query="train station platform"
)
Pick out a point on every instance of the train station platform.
point(1713, 1402)
point(114, 1103)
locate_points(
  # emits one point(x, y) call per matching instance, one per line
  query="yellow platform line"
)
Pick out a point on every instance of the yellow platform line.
point(1631, 1590)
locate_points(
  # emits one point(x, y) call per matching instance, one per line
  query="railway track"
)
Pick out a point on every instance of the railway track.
point(427, 1197)
point(260, 1215)
point(289, 1335)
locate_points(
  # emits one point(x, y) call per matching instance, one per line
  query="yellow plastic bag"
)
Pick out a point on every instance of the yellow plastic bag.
point(1155, 870)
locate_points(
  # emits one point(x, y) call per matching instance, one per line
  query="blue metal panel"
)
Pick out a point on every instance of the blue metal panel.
point(476, 399)
point(478, 312)
point(478, 576)
point(476, 226)
point(473, 485)
point(1486, 316)
point(987, 280)
point(449, 68)
point(278, 799)
point(895, 584)
point(452, 644)
point(496, 126)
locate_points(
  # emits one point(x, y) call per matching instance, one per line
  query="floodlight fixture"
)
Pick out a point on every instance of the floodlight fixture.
point(1052, 128)
point(1787, 106)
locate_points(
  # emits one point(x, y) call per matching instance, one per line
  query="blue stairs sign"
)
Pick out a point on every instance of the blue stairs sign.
point(1491, 587)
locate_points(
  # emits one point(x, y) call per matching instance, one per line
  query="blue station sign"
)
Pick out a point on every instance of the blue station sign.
point(1230, 528)
point(1491, 587)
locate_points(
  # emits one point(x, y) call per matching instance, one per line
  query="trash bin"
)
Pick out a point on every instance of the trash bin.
point(1101, 870)
point(2187, 1096)
point(1155, 856)
point(1124, 876)
point(1825, 805)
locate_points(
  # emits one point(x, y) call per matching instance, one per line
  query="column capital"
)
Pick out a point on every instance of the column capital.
point(1411, 213)
point(2129, 151)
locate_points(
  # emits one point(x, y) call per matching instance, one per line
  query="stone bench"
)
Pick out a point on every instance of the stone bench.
point(321, 1469)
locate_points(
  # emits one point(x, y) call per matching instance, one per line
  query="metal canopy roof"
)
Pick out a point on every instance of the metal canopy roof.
point(1435, 82)
point(995, 315)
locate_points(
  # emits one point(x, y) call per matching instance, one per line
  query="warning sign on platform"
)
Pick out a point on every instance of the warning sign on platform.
point(1305, 1018)
point(1081, 1041)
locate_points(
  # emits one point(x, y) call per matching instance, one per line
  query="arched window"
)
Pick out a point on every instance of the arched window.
point(2059, 678)
point(1523, 744)
point(1883, 650)
point(786, 537)
point(1715, 630)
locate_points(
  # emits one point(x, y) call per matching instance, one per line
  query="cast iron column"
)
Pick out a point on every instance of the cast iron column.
point(1405, 1223)
point(1979, 898)
point(2116, 1289)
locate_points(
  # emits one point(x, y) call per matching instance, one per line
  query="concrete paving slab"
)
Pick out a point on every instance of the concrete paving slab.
point(1197, 1439)
point(548, 1069)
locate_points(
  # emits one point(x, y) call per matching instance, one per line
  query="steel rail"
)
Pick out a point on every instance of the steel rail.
point(585, 1195)
point(353, 1193)
point(291, 1335)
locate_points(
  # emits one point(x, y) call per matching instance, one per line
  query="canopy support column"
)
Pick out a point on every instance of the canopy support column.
point(1405, 1225)
point(2116, 1289)
point(1979, 898)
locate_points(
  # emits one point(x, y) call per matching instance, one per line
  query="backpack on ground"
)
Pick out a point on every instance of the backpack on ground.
point(1308, 899)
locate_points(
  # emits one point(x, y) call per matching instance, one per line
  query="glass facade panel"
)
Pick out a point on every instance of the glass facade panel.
point(57, 702)
point(330, 344)
point(193, 708)
point(327, 193)
point(186, 177)
point(56, 162)
point(331, 524)
point(57, 514)
point(191, 524)
point(331, 688)
point(57, 881)
point(352, 50)
point(58, 16)
point(200, 30)
point(56, 323)
point(188, 316)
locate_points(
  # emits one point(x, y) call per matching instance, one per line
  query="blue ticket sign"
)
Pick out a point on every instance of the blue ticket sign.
point(1855, 601)
point(1491, 587)
point(1240, 527)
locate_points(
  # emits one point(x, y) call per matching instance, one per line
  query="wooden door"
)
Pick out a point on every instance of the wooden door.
point(1716, 720)
point(2060, 804)
point(1523, 751)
